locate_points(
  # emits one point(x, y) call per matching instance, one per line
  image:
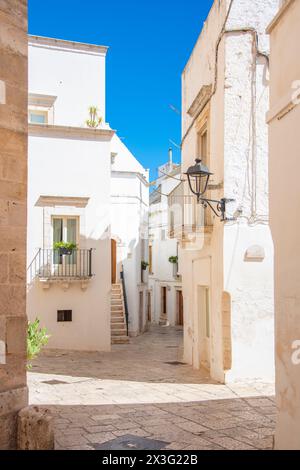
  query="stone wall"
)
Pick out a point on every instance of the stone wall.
point(13, 191)
point(283, 119)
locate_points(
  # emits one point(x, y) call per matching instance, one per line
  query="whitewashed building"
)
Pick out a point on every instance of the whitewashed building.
point(165, 290)
point(72, 184)
point(129, 232)
point(227, 267)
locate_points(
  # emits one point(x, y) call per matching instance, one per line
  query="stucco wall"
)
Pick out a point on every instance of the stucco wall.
point(75, 76)
point(13, 187)
point(238, 157)
point(72, 168)
point(284, 118)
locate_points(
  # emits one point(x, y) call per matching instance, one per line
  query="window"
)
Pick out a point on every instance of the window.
point(202, 144)
point(64, 315)
point(65, 229)
point(41, 108)
point(38, 117)
point(202, 217)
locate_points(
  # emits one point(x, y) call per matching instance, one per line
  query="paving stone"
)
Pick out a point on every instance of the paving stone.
point(232, 444)
point(72, 440)
point(134, 432)
point(99, 438)
point(130, 442)
point(135, 394)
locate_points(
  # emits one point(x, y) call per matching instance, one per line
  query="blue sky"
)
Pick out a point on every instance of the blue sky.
point(150, 42)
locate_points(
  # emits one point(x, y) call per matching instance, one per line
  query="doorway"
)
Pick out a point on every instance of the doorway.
point(164, 301)
point(204, 325)
point(141, 312)
point(113, 261)
point(149, 307)
point(180, 319)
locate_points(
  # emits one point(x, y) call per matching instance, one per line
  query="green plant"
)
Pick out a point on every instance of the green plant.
point(173, 259)
point(66, 245)
point(94, 120)
point(144, 265)
point(37, 338)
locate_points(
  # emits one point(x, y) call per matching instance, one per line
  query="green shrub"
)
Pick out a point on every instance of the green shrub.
point(66, 245)
point(144, 265)
point(37, 338)
point(173, 259)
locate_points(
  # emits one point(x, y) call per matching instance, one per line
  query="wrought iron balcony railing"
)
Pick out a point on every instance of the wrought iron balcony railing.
point(52, 264)
point(186, 217)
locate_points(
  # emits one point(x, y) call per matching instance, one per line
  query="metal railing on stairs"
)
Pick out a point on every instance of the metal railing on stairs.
point(122, 276)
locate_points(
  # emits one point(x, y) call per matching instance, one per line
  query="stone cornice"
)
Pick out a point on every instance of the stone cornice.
point(35, 99)
point(279, 15)
point(69, 46)
point(52, 201)
point(283, 107)
point(121, 173)
point(66, 132)
point(200, 101)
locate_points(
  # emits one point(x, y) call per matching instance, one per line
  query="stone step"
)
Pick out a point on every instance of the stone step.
point(116, 302)
point(120, 340)
point(117, 319)
point(122, 332)
point(116, 297)
point(118, 326)
point(116, 308)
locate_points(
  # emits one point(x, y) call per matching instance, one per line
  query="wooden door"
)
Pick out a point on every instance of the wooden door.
point(113, 261)
point(164, 301)
point(180, 308)
point(149, 307)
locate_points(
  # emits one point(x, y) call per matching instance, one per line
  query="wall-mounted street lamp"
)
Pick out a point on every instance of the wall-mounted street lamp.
point(198, 178)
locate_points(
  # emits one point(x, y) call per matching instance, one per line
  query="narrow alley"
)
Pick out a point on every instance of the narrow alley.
point(141, 396)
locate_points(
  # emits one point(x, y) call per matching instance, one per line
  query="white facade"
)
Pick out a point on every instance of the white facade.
point(227, 268)
point(164, 279)
point(129, 228)
point(72, 184)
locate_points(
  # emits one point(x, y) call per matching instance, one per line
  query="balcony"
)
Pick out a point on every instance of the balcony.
point(187, 219)
point(50, 265)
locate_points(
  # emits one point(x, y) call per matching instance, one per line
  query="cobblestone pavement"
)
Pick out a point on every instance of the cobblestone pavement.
point(142, 390)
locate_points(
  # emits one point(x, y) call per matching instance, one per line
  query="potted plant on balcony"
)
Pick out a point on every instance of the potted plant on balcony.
point(174, 260)
point(144, 266)
point(65, 248)
point(94, 120)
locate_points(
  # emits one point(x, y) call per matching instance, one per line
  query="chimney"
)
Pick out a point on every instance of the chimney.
point(170, 157)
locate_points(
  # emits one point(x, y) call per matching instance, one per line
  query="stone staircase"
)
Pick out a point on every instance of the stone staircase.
point(118, 320)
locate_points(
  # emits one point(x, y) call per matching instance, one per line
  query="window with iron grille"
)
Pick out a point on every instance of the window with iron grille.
point(64, 315)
